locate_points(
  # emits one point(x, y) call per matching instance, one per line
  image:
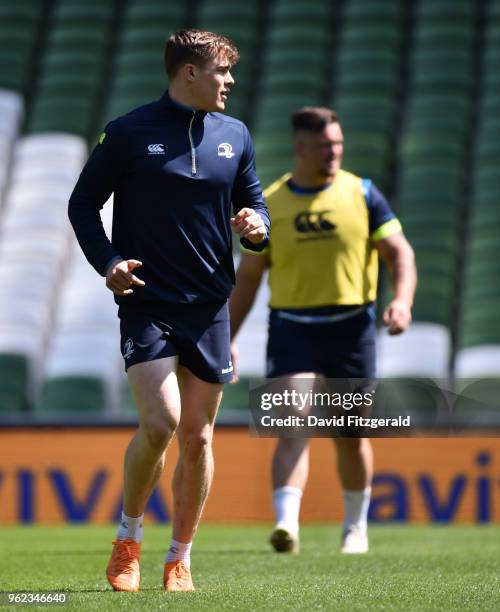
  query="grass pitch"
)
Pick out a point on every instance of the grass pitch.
point(408, 568)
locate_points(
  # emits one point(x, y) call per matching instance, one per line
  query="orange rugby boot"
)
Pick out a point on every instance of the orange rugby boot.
point(123, 568)
point(177, 577)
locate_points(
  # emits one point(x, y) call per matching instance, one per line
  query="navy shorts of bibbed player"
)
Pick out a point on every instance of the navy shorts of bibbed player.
point(197, 333)
point(335, 341)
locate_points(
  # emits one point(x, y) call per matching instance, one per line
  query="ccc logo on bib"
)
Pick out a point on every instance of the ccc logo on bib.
point(317, 221)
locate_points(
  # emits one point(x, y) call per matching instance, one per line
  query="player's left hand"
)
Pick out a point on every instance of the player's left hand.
point(249, 224)
point(397, 317)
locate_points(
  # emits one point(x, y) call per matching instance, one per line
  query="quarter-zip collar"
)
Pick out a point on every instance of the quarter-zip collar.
point(184, 109)
point(191, 113)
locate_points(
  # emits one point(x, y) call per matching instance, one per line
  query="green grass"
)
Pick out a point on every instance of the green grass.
point(408, 568)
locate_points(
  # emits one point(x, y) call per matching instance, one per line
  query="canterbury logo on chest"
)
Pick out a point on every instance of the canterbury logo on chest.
point(156, 149)
point(313, 221)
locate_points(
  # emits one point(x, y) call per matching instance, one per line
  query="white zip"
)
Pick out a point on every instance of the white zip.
point(193, 150)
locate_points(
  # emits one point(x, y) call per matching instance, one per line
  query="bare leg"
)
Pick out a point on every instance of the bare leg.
point(156, 393)
point(355, 466)
point(291, 463)
point(290, 469)
point(194, 471)
point(354, 462)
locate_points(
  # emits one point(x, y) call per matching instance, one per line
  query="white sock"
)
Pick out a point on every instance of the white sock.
point(179, 551)
point(130, 528)
point(356, 505)
point(286, 502)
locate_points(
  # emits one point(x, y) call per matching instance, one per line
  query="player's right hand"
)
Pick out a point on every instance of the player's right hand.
point(235, 355)
point(119, 278)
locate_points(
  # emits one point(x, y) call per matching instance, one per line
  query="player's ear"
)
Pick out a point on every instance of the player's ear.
point(190, 72)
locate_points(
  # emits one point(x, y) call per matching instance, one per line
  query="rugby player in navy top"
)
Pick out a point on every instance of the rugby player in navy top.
point(329, 227)
point(175, 166)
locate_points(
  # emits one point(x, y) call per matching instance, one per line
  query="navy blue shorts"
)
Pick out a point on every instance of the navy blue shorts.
point(338, 349)
point(198, 333)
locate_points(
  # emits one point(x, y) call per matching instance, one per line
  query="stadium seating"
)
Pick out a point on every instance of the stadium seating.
point(137, 71)
point(20, 29)
point(423, 351)
point(419, 118)
point(241, 22)
point(73, 67)
point(367, 83)
point(83, 365)
point(290, 77)
point(11, 116)
point(433, 161)
point(479, 324)
point(34, 240)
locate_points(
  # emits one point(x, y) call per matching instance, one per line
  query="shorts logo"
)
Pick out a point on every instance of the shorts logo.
point(156, 149)
point(307, 221)
point(128, 349)
point(225, 150)
point(228, 369)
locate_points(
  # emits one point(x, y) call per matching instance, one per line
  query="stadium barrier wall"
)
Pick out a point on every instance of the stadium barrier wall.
point(75, 475)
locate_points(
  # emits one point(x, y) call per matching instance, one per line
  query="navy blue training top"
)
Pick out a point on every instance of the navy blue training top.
point(174, 172)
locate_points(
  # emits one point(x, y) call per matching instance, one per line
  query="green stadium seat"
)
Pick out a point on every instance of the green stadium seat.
point(15, 14)
point(14, 382)
point(72, 394)
point(83, 14)
point(234, 407)
point(146, 14)
point(69, 62)
point(73, 39)
point(380, 13)
point(379, 61)
point(435, 80)
point(492, 32)
point(20, 26)
point(445, 11)
point(150, 86)
point(437, 261)
point(434, 306)
point(69, 84)
point(360, 113)
point(368, 83)
point(297, 36)
point(365, 37)
point(139, 63)
point(450, 60)
point(437, 146)
point(62, 114)
point(298, 12)
point(144, 39)
point(445, 36)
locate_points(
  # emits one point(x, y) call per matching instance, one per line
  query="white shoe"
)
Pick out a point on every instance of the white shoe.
point(354, 542)
point(283, 539)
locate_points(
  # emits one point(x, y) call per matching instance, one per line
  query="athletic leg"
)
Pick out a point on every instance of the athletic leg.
point(290, 469)
point(193, 474)
point(355, 467)
point(156, 394)
point(194, 471)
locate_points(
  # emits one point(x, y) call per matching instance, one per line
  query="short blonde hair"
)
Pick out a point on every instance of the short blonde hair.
point(197, 47)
